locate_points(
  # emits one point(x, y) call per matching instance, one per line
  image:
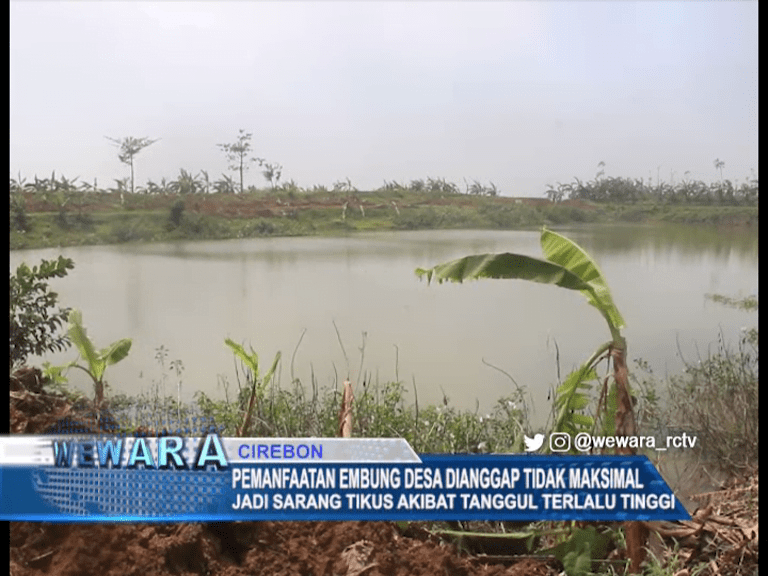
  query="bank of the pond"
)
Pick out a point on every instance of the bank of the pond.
point(100, 219)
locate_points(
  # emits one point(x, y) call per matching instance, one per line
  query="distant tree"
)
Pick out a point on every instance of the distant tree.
point(162, 188)
point(600, 170)
point(441, 186)
point(719, 166)
point(237, 153)
point(128, 148)
point(477, 189)
point(417, 185)
point(344, 186)
point(186, 183)
point(19, 219)
point(555, 194)
point(272, 172)
point(224, 186)
point(206, 181)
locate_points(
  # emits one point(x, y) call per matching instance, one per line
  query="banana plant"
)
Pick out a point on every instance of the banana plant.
point(96, 361)
point(251, 361)
point(567, 265)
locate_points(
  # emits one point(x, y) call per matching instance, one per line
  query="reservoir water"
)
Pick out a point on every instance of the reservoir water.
point(279, 293)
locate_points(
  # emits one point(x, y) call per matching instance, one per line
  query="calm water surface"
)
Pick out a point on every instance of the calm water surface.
point(189, 296)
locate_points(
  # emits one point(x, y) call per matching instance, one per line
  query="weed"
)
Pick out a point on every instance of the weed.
point(19, 219)
point(670, 565)
point(258, 227)
point(177, 212)
point(748, 304)
point(715, 399)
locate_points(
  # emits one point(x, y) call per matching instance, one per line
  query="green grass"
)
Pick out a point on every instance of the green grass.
point(715, 399)
point(379, 411)
point(148, 219)
point(684, 214)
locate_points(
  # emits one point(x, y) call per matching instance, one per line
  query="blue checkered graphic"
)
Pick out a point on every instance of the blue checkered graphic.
point(105, 423)
point(118, 492)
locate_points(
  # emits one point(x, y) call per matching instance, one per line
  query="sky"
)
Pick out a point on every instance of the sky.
point(521, 94)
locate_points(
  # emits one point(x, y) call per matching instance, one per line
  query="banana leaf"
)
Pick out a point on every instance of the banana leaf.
point(560, 250)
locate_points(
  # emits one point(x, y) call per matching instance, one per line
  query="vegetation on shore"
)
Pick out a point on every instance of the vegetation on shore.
point(55, 211)
point(715, 398)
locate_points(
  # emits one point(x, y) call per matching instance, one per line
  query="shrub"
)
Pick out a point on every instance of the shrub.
point(34, 319)
point(123, 232)
point(417, 219)
point(380, 411)
point(177, 212)
point(84, 220)
point(259, 227)
point(558, 214)
point(716, 400)
point(199, 226)
point(18, 212)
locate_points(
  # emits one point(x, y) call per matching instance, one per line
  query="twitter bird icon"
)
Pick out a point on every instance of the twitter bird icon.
point(533, 444)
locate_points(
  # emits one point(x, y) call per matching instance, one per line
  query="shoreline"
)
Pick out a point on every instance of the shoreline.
point(100, 218)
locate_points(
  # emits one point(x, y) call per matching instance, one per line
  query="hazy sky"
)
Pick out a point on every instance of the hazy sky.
point(523, 94)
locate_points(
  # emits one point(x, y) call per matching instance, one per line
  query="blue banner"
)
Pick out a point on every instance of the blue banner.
point(212, 479)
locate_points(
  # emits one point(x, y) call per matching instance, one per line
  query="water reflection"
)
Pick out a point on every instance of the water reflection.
point(696, 241)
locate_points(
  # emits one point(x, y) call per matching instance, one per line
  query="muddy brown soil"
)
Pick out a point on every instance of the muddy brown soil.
point(242, 549)
point(226, 549)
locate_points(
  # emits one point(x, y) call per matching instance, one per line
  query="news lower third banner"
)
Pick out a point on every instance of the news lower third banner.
point(200, 479)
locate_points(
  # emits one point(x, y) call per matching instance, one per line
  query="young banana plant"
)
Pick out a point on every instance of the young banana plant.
point(251, 361)
point(96, 360)
point(567, 265)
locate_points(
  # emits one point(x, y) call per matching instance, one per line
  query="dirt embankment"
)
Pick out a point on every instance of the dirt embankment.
point(722, 535)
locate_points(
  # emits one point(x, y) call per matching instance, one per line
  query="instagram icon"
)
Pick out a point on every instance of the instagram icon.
point(559, 442)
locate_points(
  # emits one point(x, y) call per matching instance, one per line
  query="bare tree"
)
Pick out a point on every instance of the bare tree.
point(237, 152)
point(129, 147)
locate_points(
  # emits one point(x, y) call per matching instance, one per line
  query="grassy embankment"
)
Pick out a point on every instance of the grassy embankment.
point(100, 218)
